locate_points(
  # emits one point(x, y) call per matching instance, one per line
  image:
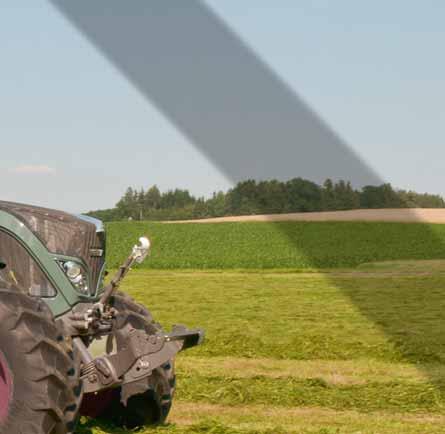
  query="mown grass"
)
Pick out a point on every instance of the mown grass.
point(345, 351)
point(261, 245)
point(302, 316)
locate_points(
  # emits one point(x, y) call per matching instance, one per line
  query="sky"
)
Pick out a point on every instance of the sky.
point(75, 133)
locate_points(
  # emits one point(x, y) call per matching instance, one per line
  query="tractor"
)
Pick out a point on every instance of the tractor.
point(72, 343)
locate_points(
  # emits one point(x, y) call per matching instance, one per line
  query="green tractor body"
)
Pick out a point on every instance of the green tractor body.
point(54, 309)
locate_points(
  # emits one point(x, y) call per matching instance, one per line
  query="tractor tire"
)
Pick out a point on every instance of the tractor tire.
point(147, 401)
point(72, 411)
point(39, 387)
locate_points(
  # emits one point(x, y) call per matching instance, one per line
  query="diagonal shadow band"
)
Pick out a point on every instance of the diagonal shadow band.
point(215, 90)
point(236, 111)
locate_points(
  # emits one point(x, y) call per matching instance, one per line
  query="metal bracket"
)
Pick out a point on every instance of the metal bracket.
point(142, 354)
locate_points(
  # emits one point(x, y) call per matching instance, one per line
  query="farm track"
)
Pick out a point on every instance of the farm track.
point(411, 215)
point(263, 418)
point(333, 372)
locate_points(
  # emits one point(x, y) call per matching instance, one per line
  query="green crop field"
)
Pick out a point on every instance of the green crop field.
point(277, 245)
point(346, 350)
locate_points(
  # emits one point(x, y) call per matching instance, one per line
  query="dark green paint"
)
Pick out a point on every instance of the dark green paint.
point(66, 295)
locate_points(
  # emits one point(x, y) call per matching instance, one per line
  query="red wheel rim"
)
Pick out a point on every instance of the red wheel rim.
point(93, 405)
point(5, 388)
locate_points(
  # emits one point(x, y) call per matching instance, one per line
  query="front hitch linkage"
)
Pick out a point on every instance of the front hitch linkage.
point(142, 354)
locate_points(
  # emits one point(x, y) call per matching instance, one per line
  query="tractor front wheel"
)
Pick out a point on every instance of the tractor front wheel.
point(141, 403)
point(36, 370)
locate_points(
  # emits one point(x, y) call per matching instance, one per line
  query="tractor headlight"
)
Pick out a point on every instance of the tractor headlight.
point(77, 276)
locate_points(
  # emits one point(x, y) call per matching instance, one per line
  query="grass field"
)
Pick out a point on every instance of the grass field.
point(343, 351)
point(276, 245)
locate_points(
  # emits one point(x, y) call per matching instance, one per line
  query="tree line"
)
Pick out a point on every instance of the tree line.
point(262, 197)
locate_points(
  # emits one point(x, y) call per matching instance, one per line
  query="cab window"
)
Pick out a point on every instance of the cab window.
point(18, 269)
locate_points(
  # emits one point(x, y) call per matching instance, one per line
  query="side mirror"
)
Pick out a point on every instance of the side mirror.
point(140, 251)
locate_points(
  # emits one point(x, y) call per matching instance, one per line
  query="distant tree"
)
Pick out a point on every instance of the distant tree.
point(302, 196)
point(152, 198)
point(328, 202)
point(242, 198)
point(382, 196)
point(217, 205)
point(200, 208)
point(176, 199)
point(345, 197)
point(271, 196)
point(412, 199)
point(127, 206)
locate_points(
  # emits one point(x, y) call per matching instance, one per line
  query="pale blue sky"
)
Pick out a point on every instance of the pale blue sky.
point(75, 134)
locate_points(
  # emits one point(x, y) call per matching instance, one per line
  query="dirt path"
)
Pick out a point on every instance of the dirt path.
point(424, 215)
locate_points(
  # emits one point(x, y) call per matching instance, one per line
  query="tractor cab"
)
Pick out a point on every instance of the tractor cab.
point(54, 307)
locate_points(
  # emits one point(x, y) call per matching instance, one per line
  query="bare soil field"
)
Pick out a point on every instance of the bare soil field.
point(408, 215)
